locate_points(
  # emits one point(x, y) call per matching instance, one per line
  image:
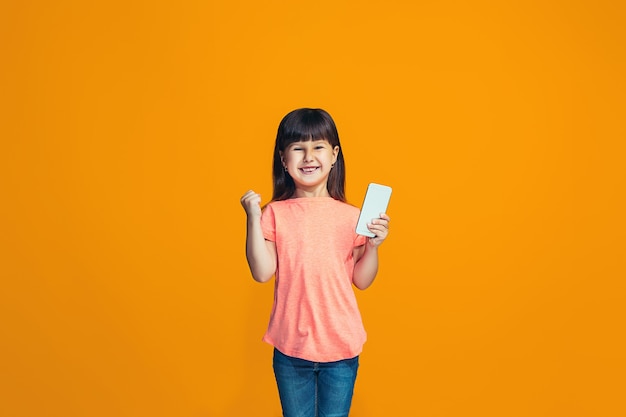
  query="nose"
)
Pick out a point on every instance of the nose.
point(308, 155)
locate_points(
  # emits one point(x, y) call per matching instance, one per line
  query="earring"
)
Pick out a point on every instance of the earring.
point(285, 169)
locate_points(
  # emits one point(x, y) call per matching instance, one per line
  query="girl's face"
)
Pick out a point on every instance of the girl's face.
point(309, 164)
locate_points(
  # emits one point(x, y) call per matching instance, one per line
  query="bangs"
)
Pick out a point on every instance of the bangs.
point(307, 125)
point(306, 133)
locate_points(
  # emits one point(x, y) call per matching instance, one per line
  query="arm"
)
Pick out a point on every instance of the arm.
point(260, 253)
point(366, 256)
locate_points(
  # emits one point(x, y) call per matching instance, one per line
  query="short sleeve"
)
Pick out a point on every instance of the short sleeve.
point(268, 223)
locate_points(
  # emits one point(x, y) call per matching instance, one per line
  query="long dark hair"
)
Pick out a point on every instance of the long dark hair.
point(306, 125)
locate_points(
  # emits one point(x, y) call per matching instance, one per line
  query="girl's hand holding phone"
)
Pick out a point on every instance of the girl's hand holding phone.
point(380, 228)
point(375, 204)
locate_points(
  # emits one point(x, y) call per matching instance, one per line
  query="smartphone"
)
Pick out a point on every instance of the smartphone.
point(375, 202)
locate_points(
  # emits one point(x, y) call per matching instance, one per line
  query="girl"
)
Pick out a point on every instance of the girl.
point(306, 237)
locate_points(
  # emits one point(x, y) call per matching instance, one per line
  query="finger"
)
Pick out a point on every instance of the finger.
point(251, 200)
point(378, 239)
point(250, 195)
point(381, 222)
point(252, 203)
point(378, 230)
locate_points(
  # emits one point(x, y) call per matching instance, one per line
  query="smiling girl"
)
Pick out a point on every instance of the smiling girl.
point(306, 238)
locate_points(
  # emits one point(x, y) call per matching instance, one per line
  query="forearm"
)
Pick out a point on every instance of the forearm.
point(366, 267)
point(261, 260)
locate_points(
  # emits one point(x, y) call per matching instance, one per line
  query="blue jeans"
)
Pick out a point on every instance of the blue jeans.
point(315, 389)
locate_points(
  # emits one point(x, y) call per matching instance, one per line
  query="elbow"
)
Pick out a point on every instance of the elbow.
point(263, 275)
point(362, 285)
point(262, 271)
point(262, 278)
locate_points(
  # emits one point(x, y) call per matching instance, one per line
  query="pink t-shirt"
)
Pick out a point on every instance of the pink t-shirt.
point(315, 314)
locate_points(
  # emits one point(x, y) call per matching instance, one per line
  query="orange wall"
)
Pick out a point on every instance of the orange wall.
point(130, 130)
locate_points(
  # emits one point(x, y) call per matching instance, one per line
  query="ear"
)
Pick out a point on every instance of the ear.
point(282, 159)
point(335, 153)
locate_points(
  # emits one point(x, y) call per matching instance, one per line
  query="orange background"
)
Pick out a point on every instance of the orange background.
point(130, 130)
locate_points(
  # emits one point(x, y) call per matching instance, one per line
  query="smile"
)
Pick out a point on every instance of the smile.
point(309, 170)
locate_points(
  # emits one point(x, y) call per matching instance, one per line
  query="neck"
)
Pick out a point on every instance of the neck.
point(320, 191)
